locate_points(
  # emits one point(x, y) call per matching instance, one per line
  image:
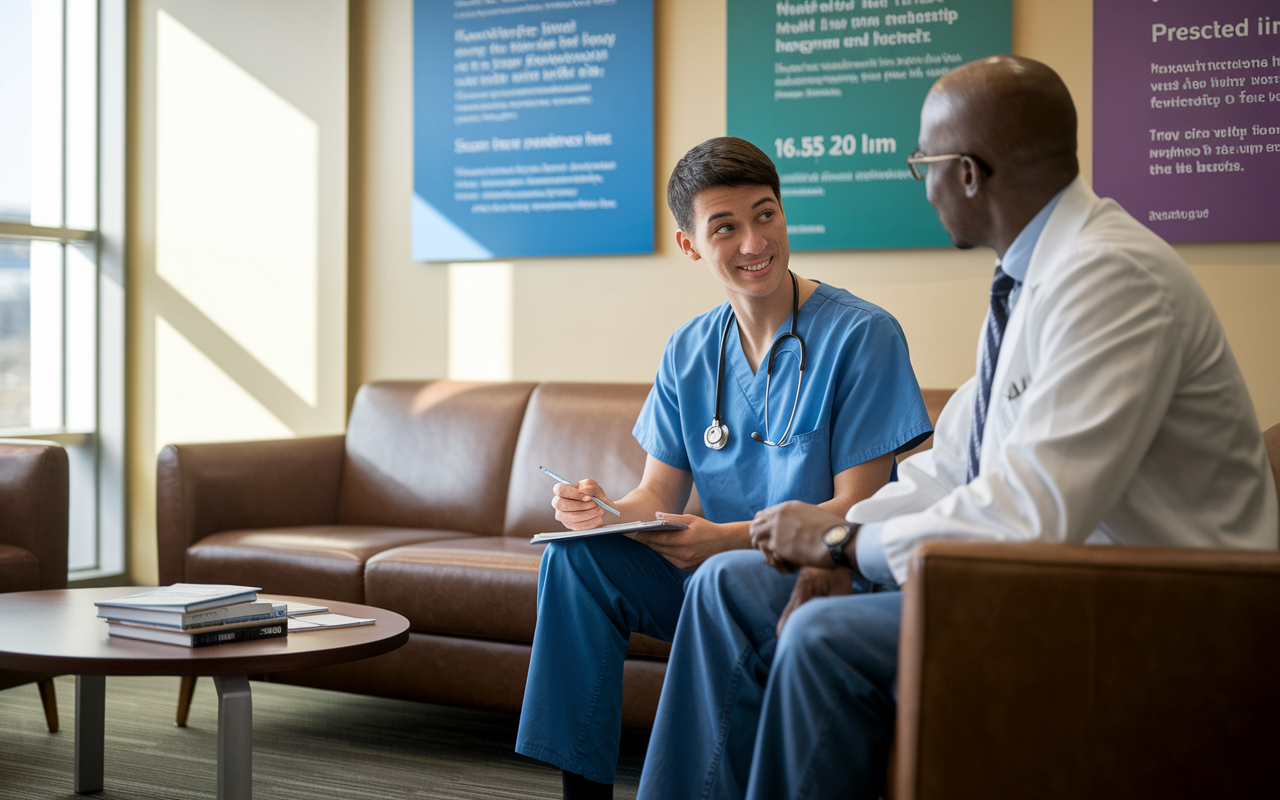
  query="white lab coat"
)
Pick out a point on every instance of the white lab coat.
point(1118, 413)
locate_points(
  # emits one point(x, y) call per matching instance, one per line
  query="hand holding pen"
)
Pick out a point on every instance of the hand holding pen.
point(580, 506)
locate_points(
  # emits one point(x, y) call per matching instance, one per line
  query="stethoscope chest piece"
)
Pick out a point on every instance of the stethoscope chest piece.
point(717, 436)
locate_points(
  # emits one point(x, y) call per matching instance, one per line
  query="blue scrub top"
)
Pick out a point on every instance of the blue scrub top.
point(859, 400)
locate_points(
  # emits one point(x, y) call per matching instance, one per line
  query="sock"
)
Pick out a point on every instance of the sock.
point(577, 787)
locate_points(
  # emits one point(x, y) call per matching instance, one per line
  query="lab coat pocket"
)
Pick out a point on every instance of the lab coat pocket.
point(802, 469)
point(1011, 402)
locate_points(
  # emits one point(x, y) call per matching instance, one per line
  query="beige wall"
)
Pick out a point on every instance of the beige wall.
point(574, 318)
point(237, 230)
point(607, 318)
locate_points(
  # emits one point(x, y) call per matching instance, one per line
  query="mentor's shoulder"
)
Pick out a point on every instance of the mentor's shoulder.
point(1113, 245)
point(1110, 225)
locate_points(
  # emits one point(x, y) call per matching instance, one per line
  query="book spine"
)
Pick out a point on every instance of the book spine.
point(198, 619)
point(271, 631)
point(212, 616)
point(216, 623)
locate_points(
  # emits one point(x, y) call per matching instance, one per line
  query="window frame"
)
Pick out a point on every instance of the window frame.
point(96, 451)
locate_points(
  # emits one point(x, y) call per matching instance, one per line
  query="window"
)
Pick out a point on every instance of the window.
point(15, 334)
point(61, 245)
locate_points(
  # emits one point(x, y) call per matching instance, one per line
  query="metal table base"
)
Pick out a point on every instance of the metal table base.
point(235, 735)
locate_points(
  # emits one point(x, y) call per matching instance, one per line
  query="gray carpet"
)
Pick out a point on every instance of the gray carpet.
point(308, 744)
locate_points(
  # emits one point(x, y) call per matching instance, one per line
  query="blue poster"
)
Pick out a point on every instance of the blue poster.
point(533, 128)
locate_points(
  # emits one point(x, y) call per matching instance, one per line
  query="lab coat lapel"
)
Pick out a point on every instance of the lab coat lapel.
point(1015, 369)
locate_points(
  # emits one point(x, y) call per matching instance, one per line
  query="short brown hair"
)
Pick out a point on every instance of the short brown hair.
point(723, 161)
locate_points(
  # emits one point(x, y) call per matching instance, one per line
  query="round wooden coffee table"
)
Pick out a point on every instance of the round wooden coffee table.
point(58, 632)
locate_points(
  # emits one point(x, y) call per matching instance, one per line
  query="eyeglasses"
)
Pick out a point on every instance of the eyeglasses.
point(919, 158)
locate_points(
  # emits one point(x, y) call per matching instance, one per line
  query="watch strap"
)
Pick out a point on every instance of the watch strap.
point(836, 549)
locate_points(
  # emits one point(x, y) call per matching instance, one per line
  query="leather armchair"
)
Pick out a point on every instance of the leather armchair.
point(33, 538)
point(1052, 671)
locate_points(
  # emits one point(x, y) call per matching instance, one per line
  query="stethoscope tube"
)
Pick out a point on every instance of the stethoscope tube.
point(717, 435)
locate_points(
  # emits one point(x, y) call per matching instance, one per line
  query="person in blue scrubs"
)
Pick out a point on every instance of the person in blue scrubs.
point(857, 405)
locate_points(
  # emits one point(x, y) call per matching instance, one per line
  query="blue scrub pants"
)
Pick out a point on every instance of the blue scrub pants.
point(592, 593)
point(744, 714)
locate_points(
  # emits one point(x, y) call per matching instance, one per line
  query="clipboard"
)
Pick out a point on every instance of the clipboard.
point(622, 527)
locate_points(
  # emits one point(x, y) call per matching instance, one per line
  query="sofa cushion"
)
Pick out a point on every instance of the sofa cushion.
point(578, 430)
point(324, 561)
point(19, 569)
point(479, 586)
point(431, 455)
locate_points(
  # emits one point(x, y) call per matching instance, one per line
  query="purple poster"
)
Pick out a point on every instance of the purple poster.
point(1186, 115)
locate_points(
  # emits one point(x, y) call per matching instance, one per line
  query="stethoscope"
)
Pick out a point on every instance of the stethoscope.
point(717, 436)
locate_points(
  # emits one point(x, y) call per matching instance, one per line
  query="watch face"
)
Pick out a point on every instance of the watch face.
point(835, 535)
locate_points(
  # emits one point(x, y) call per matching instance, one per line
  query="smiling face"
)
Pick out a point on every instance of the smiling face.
point(741, 233)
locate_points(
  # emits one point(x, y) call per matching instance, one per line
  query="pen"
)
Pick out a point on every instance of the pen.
point(599, 502)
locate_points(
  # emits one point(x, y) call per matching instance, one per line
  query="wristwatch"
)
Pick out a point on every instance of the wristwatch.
point(836, 539)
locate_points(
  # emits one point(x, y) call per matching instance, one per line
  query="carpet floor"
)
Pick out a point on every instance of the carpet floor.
point(308, 744)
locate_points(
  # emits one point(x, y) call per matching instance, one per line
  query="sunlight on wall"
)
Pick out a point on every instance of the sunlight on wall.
point(237, 205)
point(480, 322)
point(198, 402)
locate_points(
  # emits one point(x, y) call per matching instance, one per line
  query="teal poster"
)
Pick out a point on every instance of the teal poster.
point(831, 91)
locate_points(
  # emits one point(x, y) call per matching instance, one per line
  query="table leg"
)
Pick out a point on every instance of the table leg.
point(91, 712)
point(235, 737)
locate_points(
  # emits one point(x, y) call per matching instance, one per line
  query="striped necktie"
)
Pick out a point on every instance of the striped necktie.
point(998, 316)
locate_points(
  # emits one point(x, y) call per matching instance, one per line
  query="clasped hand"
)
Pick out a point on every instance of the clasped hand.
point(790, 535)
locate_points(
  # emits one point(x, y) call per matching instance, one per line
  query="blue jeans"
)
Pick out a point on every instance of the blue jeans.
point(592, 594)
point(744, 714)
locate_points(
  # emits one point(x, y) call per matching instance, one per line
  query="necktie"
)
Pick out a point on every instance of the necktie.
point(997, 318)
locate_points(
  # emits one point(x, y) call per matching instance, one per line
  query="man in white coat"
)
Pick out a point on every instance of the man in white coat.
point(1107, 408)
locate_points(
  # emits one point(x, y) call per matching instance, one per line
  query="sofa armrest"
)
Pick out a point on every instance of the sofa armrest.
point(1030, 670)
point(33, 508)
point(206, 488)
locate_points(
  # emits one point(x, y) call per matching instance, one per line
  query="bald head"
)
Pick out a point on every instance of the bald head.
point(1013, 113)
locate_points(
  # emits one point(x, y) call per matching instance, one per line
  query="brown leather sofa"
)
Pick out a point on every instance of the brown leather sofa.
point(33, 538)
point(425, 507)
point(1036, 671)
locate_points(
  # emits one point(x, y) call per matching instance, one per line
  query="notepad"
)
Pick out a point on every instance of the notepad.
point(302, 609)
point(622, 527)
point(322, 621)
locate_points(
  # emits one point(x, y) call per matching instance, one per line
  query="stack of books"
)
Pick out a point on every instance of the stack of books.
point(195, 615)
